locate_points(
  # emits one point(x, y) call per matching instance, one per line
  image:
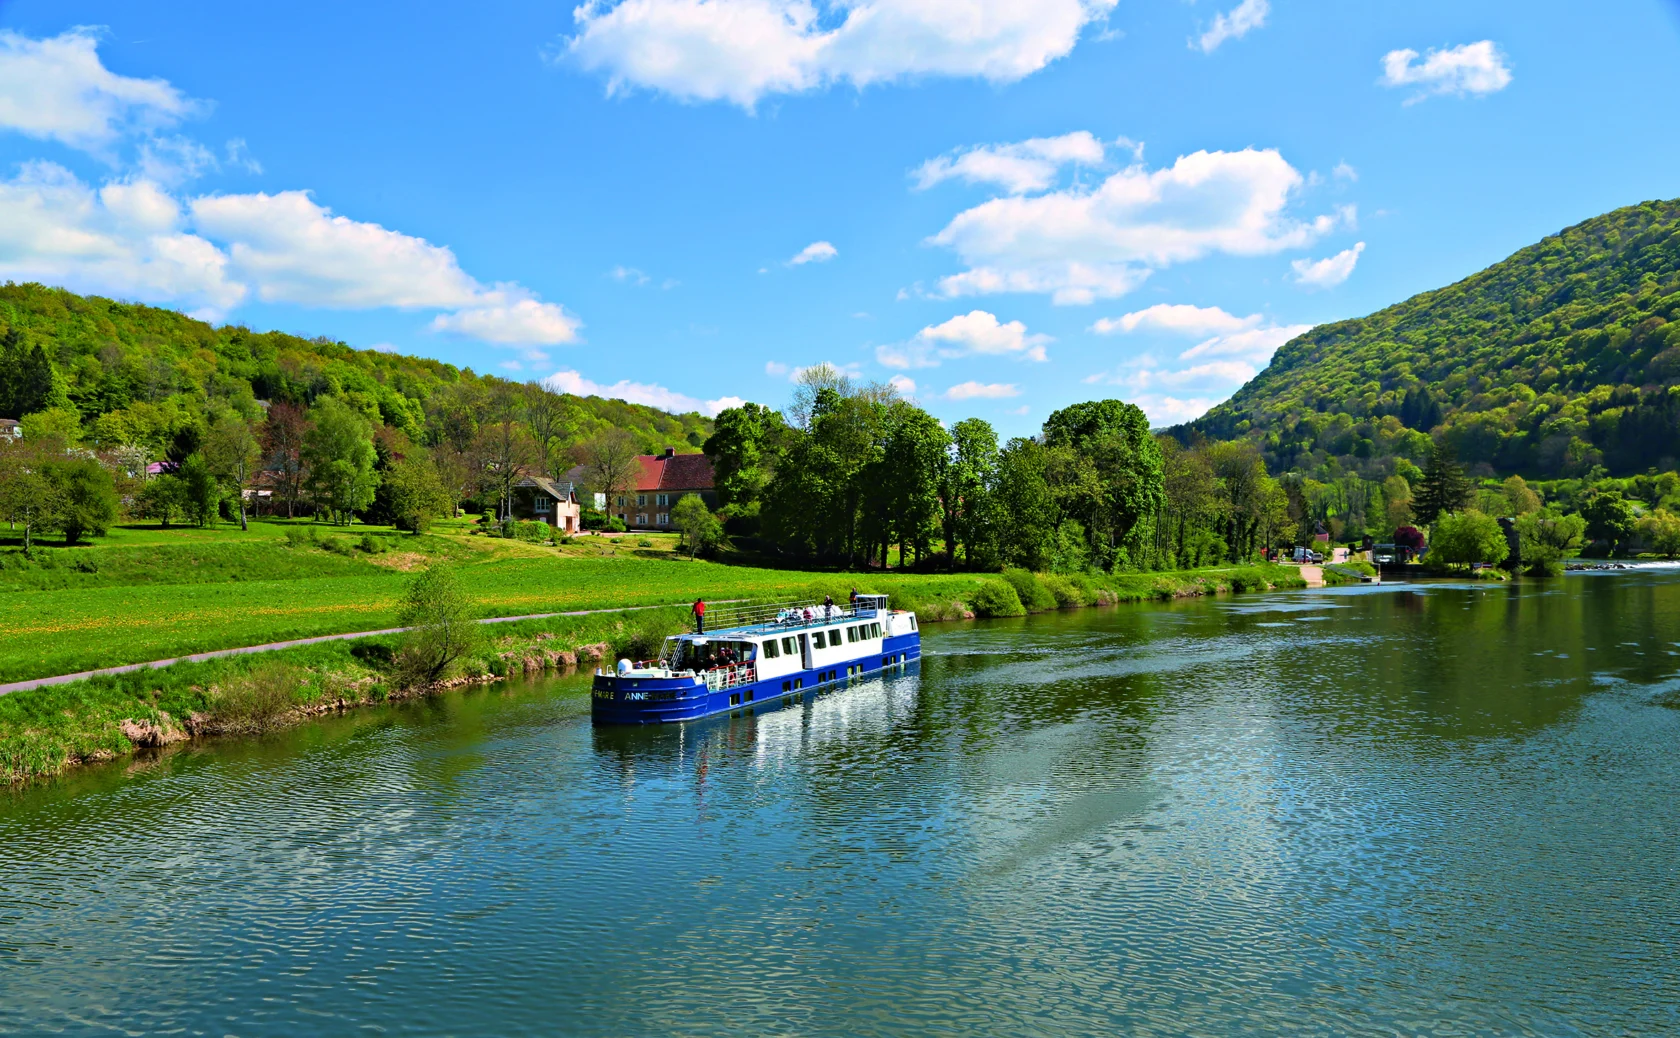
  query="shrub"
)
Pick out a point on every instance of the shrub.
point(1067, 595)
point(337, 545)
point(644, 543)
point(996, 598)
point(646, 640)
point(371, 544)
point(441, 629)
point(300, 537)
point(1465, 537)
point(1035, 597)
point(1248, 578)
point(259, 700)
point(615, 525)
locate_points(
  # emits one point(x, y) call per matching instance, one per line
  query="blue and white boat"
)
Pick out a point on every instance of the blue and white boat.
point(757, 656)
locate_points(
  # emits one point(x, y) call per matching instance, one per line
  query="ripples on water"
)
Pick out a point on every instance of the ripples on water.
point(1441, 810)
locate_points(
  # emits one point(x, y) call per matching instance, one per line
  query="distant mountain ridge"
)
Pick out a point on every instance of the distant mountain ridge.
point(131, 370)
point(1563, 357)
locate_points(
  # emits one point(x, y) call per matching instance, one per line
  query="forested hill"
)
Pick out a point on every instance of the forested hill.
point(1561, 358)
point(145, 375)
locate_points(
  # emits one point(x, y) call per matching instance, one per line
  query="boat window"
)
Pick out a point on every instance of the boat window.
point(817, 640)
point(771, 649)
point(789, 647)
point(912, 621)
point(851, 635)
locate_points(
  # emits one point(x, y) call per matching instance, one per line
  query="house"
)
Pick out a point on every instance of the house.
point(663, 480)
point(10, 429)
point(548, 501)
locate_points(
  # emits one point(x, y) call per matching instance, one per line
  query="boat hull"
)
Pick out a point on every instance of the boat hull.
point(645, 700)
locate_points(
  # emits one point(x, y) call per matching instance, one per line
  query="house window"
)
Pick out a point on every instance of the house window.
point(664, 519)
point(641, 518)
point(541, 504)
point(664, 500)
point(621, 503)
point(641, 500)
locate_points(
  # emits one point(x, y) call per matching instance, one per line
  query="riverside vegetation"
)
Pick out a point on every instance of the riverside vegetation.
point(46, 729)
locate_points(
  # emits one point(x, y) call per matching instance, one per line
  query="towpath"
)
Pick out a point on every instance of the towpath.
point(24, 686)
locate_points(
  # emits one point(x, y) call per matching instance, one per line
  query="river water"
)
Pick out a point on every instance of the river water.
point(1410, 810)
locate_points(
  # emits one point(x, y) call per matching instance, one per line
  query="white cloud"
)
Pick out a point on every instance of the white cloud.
point(1177, 395)
point(1081, 244)
point(58, 89)
point(744, 50)
point(982, 391)
point(239, 156)
point(1328, 272)
point(572, 382)
point(904, 384)
point(628, 274)
point(852, 369)
point(1179, 318)
point(775, 368)
point(1030, 165)
point(976, 332)
point(816, 252)
point(174, 160)
point(1473, 68)
point(518, 320)
point(1234, 24)
point(1343, 171)
point(1253, 344)
point(124, 240)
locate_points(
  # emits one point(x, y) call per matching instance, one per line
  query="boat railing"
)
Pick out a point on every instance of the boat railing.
point(754, 614)
point(719, 678)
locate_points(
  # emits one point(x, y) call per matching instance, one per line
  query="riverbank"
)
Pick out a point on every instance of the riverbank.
point(45, 730)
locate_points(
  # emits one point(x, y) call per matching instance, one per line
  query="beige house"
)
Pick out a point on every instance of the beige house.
point(548, 501)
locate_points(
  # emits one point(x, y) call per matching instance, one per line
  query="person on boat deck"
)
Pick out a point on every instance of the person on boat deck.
point(699, 616)
point(854, 599)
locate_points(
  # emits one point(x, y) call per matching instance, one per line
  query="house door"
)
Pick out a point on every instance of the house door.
point(805, 652)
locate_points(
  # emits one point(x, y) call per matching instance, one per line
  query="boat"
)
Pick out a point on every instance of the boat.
point(757, 656)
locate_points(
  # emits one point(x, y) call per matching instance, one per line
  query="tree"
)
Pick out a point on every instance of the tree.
point(611, 466)
point(742, 450)
point(84, 497)
point(965, 490)
point(417, 495)
point(1026, 505)
point(162, 497)
point(201, 496)
point(1609, 518)
point(1519, 498)
point(234, 454)
point(1397, 503)
point(504, 447)
point(700, 528)
point(27, 382)
point(1460, 538)
point(27, 497)
point(283, 437)
point(1105, 467)
point(546, 418)
point(339, 454)
point(438, 615)
point(809, 385)
point(1444, 487)
point(1545, 541)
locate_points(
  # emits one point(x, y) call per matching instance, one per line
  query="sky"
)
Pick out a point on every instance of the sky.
point(1001, 207)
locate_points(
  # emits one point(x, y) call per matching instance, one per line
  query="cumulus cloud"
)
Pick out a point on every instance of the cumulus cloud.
point(1234, 24)
point(1472, 68)
point(58, 89)
point(648, 393)
point(816, 252)
point(744, 50)
point(1179, 318)
point(1328, 272)
point(903, 383)
point(513, 322)
point(1029, 165)
point(982, 391)
point(125, 239)
point(976, 332)
point(1343, 171)
point(1080, 244)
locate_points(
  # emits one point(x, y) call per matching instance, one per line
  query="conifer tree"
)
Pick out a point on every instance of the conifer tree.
point(1444, 487)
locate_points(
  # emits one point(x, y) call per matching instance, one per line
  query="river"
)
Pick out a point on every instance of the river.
point(1421, 810)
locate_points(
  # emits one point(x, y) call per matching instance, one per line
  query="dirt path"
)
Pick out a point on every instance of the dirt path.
point(1313, 575)
point(24, 686)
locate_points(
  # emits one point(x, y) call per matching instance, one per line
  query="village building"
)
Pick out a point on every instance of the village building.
point(554, 502)
point(10, 429)
point(663, 480)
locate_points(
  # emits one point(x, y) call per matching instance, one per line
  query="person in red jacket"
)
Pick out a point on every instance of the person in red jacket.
point(699, 616)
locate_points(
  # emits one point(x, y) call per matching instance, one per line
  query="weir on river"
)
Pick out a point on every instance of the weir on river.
point(1382, 809)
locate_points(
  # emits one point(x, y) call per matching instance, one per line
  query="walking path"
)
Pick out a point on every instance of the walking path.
point(24, 686)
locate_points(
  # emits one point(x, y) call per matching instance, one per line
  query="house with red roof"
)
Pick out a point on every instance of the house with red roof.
point(665, 479)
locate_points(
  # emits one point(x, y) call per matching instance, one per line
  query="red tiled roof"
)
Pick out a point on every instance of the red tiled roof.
point(677, 472)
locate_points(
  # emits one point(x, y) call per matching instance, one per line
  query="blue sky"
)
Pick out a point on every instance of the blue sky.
point(1007, 207)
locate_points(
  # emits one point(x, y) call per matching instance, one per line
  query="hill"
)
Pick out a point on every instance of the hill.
point(148, 375)
point(1560, 359)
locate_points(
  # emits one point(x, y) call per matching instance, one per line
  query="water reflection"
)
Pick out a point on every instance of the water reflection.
point(1420, 809)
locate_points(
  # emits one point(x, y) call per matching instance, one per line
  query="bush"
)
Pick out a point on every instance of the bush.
point(337, 545)
point(615, 525)
point(1248, 578)
point(996, 598)
point(1035, 597)
point(371, 544)
point(644, 543)
point(257, 701)
point(300, 537)
point(1464, 537)
point(646, 640)
point(1066, 593)
point(441, 628)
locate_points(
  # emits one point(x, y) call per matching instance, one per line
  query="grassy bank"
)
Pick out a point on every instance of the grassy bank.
point(45, 730)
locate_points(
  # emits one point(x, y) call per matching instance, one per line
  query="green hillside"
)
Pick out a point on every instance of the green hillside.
point(1564, 357)
point(149, 376)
